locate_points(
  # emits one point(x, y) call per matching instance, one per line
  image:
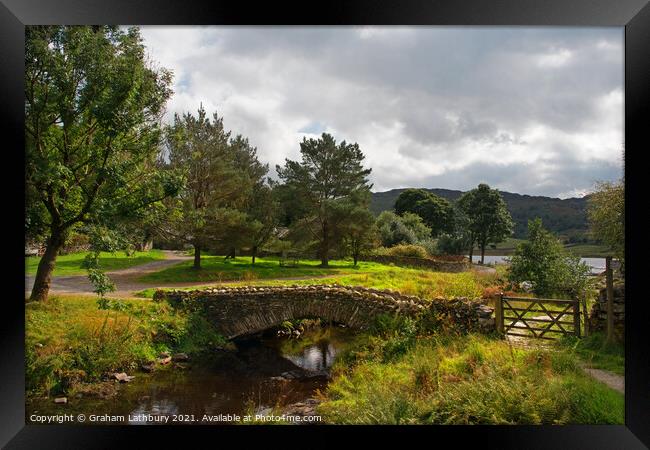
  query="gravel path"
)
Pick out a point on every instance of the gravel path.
point(614, 381)
point(125, 279)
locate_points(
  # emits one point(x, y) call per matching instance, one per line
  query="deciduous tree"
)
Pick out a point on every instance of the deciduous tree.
point(436, 212)
point(488, 218)
point(93, 105)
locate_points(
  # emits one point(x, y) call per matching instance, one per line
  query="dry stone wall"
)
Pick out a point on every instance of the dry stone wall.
point(237, 311)
point(598, 315)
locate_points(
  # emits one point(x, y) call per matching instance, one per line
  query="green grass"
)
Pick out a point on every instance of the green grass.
point(216, 269)
point(410, 281)
point(70, 342)
point(71, 264)
point(597, 353)
point(402, 378)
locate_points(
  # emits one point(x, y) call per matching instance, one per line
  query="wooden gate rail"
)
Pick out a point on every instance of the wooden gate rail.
point(520, 322)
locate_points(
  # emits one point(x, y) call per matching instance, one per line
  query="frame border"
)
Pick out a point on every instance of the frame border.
point(634, 15)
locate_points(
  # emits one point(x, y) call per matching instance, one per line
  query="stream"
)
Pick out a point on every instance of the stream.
point(264, 372)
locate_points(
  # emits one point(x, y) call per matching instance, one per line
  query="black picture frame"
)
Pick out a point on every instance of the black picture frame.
point(634, 15)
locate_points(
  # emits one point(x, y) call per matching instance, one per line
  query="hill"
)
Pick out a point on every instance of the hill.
point(564, 217)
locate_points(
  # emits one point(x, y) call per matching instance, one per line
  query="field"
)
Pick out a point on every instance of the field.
point(71, 264)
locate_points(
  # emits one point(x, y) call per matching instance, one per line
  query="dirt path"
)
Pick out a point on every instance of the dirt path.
point(614, 381)
point(127, 280)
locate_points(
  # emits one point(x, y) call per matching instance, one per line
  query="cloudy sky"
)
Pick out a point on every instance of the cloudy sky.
point(537, 110)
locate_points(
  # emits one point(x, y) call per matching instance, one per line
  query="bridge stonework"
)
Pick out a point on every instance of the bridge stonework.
point(237, 311)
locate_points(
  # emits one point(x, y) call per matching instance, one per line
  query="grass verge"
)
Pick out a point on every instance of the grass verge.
point(401, 377)
point(71, 264)
point(70, 342)
point(597, 353)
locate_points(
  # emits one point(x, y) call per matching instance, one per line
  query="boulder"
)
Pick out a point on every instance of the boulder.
point(122, 377)
point(180, 357)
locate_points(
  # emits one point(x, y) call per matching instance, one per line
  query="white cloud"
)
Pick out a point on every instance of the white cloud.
point(530, 110)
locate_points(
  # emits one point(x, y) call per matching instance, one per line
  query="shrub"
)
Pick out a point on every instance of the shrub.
point(543, 261)
point(406, 229)
point(408, 250)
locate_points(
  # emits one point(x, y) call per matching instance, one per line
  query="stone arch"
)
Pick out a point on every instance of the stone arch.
point(246, 310)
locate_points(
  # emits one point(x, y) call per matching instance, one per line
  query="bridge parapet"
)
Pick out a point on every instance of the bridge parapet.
point(236, 311)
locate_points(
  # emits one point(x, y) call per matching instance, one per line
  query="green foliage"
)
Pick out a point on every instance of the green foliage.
point(607, 216)
point(331, 181)
point(565, 217)
point(70, 342)
point(597, 352)
point(360, 235)
point(472, 379)
point(488, 219)
point(436, 212)
point(543, 261)
point(409, 250)
point(406, 229)
point(220, 176)
point(93, 105)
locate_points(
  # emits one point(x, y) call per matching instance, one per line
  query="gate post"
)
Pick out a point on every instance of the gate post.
point(610, 298)
point(498, 313)
point(576, 316)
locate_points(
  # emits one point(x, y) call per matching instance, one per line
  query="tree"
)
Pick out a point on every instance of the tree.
point(436, 212)
point(543, 261)
point(489, 219)
point(93, 105)
point(219, 175)
point(360, 233)
point(606, 212)
point(263, 212)
point(460, 238)
point(325, 179)
point(406, 229)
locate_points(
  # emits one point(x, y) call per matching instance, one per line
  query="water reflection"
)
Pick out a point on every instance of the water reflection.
point(251, 379)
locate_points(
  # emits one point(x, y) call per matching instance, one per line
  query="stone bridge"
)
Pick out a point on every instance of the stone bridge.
point(237, 311)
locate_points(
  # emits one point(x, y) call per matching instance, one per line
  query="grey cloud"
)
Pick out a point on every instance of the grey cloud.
point(461, 97)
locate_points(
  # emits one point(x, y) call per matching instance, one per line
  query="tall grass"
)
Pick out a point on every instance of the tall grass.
point(451, 379)
point(69, 341)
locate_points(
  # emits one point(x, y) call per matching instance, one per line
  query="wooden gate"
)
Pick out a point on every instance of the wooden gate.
point(516, 313)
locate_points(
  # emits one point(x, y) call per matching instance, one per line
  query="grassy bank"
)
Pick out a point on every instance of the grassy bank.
point(399, 376)
point(71, 264)
point(597, 353)
point(70, 342)
point(423, 283)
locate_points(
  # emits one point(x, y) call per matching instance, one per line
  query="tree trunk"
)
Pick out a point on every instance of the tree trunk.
point(197, 257)
point(325, 247)
point(471, 253)
point(46, 266)
point(482, 253)
point(356, 258)
point(254, 254)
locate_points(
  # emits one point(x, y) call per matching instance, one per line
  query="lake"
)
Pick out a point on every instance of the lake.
point(597, 264)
